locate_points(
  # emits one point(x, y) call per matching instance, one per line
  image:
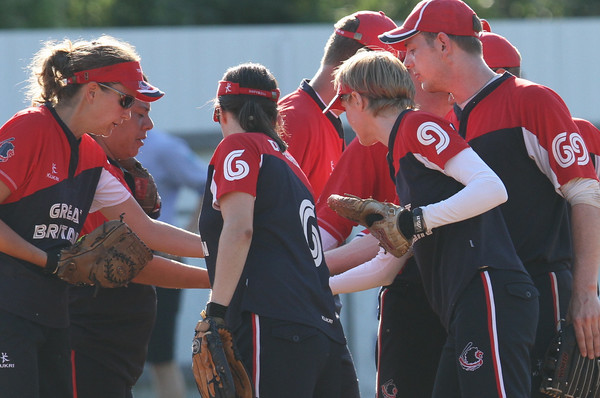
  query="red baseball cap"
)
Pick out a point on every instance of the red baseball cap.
point(370, 25)
point(453, 17)
point(498, 52)
point(129, 74)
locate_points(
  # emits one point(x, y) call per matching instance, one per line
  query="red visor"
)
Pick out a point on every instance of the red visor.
point(336, 102)
point(231, 88)
point(129, 74)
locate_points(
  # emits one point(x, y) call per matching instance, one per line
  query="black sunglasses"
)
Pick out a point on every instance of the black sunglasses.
point(126, 100)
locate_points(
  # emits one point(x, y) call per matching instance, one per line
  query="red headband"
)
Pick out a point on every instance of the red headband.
point(231, 88)
point(127, 73)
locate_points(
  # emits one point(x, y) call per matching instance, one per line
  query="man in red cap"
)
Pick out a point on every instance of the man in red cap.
point(525, 133)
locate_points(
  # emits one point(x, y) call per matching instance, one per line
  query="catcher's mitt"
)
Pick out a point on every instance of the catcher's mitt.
point(379, 217)
point(109, 256)
point(565, 373)
point(216, 363)
point(142, 185)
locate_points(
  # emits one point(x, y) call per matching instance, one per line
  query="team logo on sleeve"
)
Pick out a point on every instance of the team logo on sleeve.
point(430, 133)
point(234, 168)
point(568, 149)
point(7, 149)
point(308, 218)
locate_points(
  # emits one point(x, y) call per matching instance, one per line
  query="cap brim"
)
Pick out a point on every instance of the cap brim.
point(396, 36)
point(335, 104)
point(143, 91)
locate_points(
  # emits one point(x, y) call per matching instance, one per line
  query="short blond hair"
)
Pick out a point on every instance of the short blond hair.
point(381, 77)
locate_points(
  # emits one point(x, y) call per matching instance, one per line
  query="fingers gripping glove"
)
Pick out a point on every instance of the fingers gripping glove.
point(109, 256)
point(392, 225)
point(216, 363)
point(565, 373)
point(143, 186)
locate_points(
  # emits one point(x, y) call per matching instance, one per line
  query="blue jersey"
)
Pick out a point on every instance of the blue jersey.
point(285, 275)
point(448, 259)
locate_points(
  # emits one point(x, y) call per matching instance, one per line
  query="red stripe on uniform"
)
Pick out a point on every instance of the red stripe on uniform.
point(491, 311)
point(73, 374)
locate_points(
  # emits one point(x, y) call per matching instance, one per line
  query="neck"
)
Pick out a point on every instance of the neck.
point(73, 117)
point(100, 140)
point(472, 78)
point(321, 82)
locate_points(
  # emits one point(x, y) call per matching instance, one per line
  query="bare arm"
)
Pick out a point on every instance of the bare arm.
point(350, 255)
point(156, 234)
point(164, 272)
point(13, 244)
point(237, 209)
point(584, 308)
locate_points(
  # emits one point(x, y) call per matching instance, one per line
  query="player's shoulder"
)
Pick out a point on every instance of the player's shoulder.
point(32, 120)
point(418, 120)
point(525, 91)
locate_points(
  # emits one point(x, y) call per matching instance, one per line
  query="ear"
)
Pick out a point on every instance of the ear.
point(90, 90)
point(443, 42)
point(361, 101)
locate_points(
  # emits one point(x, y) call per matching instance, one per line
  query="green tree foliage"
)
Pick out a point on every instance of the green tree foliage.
point(97, 13)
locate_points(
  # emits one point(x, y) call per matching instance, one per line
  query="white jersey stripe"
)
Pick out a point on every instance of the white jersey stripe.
point(494, 336)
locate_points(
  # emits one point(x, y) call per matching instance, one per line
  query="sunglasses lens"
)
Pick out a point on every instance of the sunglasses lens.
point(127, 101)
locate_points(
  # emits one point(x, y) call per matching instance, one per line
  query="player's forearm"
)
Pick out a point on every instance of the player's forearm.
point(585, 221)
point(14, 245)
point(234, 245)
point(168, 273)
point(350, 255)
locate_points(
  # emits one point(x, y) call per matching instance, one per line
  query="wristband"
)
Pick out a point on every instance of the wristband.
point(215, 310)
point(52, 258)
point(419, 222)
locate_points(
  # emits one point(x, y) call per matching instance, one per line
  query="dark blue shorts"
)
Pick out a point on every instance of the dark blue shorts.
point(490, 338)
point(409, 341)
point(95, 380)
point(35, 360)
point(291, 360)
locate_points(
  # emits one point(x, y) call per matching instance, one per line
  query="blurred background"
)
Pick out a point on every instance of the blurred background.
point(186, 46)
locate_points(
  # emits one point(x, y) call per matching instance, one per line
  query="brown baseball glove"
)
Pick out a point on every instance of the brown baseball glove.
point(109, 256)
point(142, 185)
point(565, 373)
point(381, 218)
point(216, 363)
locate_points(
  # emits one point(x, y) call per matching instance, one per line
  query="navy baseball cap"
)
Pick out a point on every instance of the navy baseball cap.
point(453, 17)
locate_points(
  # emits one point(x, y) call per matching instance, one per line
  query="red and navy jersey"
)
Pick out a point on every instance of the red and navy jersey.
point(52, 177)
point(420, 145)
point(113, 326)
point(314, 139)
point(285, 275)
point(525, 133)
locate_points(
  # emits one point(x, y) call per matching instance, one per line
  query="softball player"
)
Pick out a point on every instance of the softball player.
point(315, 139)
point(269, 278)
point(51, 176)
point(525, 133)
point(470, 270)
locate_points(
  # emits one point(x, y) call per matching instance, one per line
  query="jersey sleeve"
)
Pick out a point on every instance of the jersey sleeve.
point(552, 138)
point(431, 139)
point(236, 163)
point(21, 142)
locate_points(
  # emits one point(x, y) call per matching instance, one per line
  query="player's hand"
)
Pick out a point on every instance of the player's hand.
point(584, 313)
